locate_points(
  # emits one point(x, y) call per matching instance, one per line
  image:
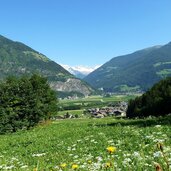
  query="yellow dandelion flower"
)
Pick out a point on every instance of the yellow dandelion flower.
point(108, 165)
point(74, 166)
point(111, 149)
point(63, 165)
point(89, 161)
point(35, 169)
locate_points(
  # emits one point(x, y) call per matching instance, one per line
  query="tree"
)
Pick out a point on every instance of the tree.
point(24, 102)
point(155, 101)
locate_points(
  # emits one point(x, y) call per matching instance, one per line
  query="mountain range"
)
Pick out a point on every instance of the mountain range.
point(80, 71)
point(17, 59)
point(134, 72)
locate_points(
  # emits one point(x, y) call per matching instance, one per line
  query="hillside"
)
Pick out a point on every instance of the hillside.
point(83, 142)
point(18, 59)
point(133, 72)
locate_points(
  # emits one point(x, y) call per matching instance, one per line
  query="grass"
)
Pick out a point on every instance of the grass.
point(83, 142)
point(92, 101)
point(164, 73)
point(99, 99)
point(126, 88)
point(161, 63)
point(72, 112)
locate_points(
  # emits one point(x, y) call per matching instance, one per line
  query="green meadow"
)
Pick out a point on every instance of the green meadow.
point(77, 106)
point(98, 99)
point(81, 144)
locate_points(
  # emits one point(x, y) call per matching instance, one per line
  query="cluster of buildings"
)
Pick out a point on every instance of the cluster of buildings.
point(118, 109)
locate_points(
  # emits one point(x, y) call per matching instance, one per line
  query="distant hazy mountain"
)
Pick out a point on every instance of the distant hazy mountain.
point(133, 72)
point(18, 59)
point(80, 71)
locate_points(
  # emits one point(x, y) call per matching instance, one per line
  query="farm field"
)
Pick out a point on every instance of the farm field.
point(76, 106)
point(89, 145)
point(99, 99)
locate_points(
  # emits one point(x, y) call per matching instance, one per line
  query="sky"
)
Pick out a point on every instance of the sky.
point(86, 32)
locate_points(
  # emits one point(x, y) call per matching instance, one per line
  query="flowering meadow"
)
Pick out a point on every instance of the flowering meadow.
point(89, 145)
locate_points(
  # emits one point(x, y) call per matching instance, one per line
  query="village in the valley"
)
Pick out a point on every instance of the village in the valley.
point(117, 109)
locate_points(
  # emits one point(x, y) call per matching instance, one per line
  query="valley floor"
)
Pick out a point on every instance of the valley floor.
point(81, 144)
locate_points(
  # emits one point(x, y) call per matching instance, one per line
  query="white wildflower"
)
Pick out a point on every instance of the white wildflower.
point(8, 167)
point(24, 166)
point(75, 157)
point(126, 161)
point(157, 154)
point(99, 158)
point(39, 155)
point(136, 154)
point(158, 126)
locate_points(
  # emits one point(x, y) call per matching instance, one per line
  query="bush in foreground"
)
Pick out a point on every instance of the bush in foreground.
point(24, 102)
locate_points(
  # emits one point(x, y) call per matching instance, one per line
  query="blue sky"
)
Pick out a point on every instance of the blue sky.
point(86, 32)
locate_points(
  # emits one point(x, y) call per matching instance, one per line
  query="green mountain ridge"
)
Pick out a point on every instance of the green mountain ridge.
point(17, 59)
point(137, 71)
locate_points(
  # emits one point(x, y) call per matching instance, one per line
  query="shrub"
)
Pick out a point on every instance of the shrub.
point(24, 102)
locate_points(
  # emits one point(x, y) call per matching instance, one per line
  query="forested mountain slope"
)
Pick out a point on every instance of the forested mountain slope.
point(18, 59)
point(133, 72)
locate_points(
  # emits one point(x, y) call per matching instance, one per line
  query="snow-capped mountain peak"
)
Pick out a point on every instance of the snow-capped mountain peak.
point(80, 71)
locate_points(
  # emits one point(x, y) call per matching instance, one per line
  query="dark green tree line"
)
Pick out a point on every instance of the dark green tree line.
point(24, 102)
point(155, 102)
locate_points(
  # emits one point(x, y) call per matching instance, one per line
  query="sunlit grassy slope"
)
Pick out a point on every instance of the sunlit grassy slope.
point(84, 141)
